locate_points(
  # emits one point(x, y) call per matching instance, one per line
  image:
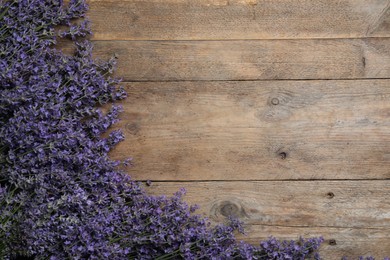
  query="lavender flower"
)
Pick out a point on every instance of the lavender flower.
point(61, 196)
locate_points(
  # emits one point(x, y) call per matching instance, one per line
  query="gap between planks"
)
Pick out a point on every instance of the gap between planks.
point(247, 80)
point(236, 39)
point(243, 180)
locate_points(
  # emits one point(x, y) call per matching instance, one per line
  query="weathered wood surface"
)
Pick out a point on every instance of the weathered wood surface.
point(259, 130)
point(341, 204)
point(251, 128)
point(238, 19)
point(355, 214)
point(249, 60)
point(351, 242)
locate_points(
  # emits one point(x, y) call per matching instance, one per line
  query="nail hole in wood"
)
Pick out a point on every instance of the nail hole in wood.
point(283, 155)
point(332, 242)
point(275, 101)
point(330, 195)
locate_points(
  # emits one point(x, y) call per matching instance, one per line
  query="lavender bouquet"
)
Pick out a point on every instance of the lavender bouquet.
point(61, 197)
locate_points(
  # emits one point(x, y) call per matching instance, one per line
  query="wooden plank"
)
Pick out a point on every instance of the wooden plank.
point(262, 130)
point(353, 213)
point(238, 19)
point(339, 242)
point(341, 204)
point(249, 60)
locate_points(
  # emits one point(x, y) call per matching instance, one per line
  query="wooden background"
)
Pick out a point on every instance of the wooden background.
point(277, 112)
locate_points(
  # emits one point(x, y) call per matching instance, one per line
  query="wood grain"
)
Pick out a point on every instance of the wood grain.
point(249, 60)
point(262, 130)
point(238, 19)
point(353, 213)
point(341, 204)
point(351, 242)
point(228, 99)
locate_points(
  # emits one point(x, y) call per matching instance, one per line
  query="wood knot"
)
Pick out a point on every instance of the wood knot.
point(332, 242)
point(229, 209)
point(132, 128)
